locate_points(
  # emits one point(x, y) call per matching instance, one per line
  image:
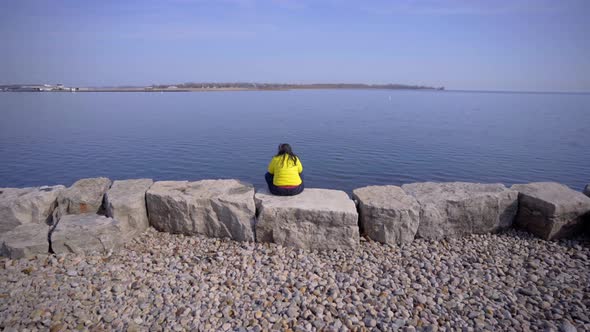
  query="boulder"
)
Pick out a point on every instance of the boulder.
point(551, 210)
point(27, 205)
point(387, 214)
point(24, 241)
point(215, 208)
point(84, 196)
point(314, 219)
point(453, 209)
point(87, 233)
point(587, 190)
point(125, 202)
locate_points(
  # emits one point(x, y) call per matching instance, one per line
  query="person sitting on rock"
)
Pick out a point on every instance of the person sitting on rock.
point(284, 176)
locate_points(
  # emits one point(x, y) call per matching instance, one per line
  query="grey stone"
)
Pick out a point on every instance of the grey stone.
point(566, 326)
point(453, 209)
point(118, 289)
point(88, 234)
point(293, 312)
point(551, 210)
point(24, 241)
point(216, 208)
point(370, 322)
point(528, 291)
point(19, 206)
point(587, 190)
point(84, 196)
point(387, 214)
point(125, 202)
point(314, 219)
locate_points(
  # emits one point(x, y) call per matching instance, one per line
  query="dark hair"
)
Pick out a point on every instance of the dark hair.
point(287, 153)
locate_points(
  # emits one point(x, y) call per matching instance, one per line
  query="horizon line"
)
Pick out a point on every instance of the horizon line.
point(429, 87)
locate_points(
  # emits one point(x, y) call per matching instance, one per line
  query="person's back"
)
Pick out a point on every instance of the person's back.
point(284, 173)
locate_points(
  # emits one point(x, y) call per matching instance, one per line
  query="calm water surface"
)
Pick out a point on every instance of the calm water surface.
point(346, 139)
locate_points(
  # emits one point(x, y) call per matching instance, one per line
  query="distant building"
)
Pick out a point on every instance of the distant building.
point(35, 87)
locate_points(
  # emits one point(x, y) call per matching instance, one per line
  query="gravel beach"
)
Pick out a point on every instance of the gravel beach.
point(160, 281)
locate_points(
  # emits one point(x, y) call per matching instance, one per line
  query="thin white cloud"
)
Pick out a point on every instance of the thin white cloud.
point(195, 31)
point(464, 7)
point(290, 4)
point(286, 4)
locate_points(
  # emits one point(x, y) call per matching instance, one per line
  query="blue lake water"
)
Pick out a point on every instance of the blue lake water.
point(345, 138)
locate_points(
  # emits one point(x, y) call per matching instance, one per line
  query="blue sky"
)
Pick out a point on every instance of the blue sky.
point(533, 45)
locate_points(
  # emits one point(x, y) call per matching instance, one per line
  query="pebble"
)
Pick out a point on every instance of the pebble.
point(566, 326)
point(421, 299)
point(292, 312)
point(118, 289)
point(369, 322)
point(166, 282)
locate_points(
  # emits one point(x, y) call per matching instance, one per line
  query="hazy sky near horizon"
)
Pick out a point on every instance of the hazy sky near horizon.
point(536, 45)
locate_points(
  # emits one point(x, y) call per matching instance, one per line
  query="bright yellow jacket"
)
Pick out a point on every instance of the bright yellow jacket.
point(285, 173)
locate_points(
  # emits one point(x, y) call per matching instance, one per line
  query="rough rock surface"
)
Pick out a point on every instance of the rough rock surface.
point(125, 202)
point(24, 241)
point(27, 205)
point(457, 208)
point(216, 208)
point(168, 282)
point(314, 219)
point(387, 214)
point(551, 210)
point(87, 234)
point(587, 190)
point(84, 196)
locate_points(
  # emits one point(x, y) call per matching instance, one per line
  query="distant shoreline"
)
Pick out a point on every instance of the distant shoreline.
point(210, 87)
point(144, 90)
point(219, 87)
point(212, 90)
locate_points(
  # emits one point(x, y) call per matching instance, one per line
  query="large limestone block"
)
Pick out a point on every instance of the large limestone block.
point(314, 219)
point(387, 214)
point(87, 233)
point(551, 210)
point(84, 196)
point(453, 209)
point(587, 190)
point(24, 241)
point(125, 202)
point(20, 206)
point(215, 208)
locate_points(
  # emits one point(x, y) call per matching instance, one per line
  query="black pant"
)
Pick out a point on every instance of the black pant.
point(282, 191)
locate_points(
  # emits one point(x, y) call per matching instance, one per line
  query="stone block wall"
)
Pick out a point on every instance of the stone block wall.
point(99, 216)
